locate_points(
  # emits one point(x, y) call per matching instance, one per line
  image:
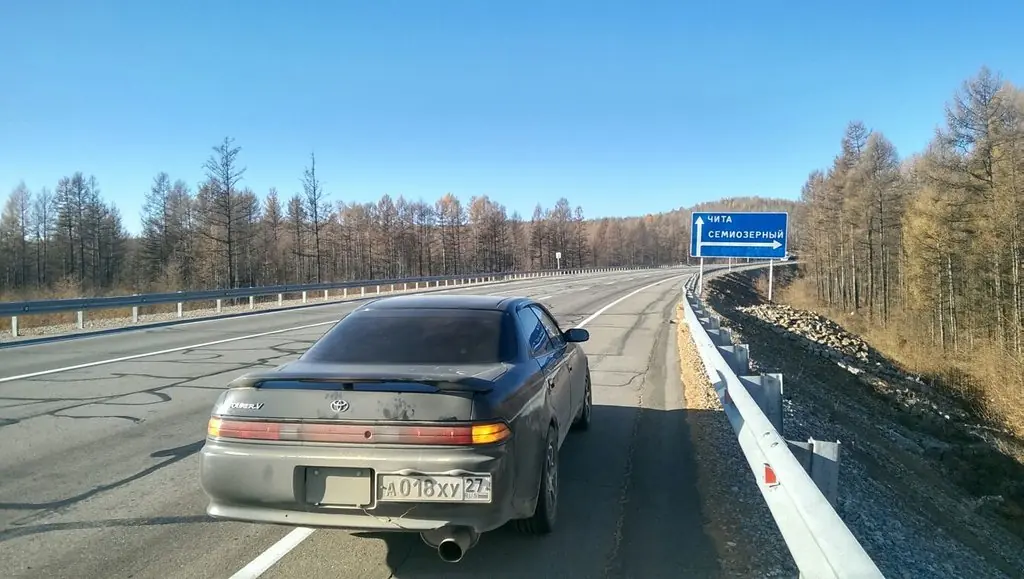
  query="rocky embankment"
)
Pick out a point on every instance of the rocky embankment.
point(928, 488)
point(826, 339)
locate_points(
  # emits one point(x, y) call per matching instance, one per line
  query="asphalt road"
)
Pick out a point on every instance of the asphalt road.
point(100, 474)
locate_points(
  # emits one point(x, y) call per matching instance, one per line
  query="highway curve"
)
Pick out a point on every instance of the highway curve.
point(100, 474)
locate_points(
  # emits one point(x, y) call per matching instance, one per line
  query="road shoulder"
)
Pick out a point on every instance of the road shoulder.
point(736, 517)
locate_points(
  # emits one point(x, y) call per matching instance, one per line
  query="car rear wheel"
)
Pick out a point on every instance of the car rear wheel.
point(544, 515)
point(582, 421)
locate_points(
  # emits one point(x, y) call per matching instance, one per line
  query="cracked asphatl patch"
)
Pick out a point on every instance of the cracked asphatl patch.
point(614, 379)
point(22, 400)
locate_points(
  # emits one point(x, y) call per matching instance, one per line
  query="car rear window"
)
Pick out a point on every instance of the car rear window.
point(418, 336)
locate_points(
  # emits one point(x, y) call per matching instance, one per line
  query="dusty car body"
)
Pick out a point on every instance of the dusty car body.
point(442, 415)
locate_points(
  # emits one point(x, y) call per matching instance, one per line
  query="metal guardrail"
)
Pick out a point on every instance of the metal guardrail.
point(81, 305)
point(798, 480)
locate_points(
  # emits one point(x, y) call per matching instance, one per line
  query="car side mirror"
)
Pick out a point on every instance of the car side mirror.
point(576, 335)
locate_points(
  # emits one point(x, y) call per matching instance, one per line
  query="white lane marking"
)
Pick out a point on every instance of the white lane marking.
point(291, 309)
point(260, 564)
point(594, 315)
point(194, 346)
point(266, 560)
point(545, 297)
point(157, 353)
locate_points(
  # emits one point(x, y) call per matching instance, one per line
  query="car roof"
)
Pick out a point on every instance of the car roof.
point(448, 301)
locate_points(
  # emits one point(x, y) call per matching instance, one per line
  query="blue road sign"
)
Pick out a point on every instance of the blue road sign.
point(756, 235)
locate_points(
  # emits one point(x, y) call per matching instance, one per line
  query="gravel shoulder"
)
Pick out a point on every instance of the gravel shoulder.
point(927, 489)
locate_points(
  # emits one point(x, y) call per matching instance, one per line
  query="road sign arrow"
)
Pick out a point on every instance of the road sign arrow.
point(772, 244)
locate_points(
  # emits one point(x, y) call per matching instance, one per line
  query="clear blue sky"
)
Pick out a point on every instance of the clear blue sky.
point(624, 107)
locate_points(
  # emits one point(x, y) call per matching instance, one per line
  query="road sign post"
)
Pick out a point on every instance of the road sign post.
point(758, 235)
point(558, 258)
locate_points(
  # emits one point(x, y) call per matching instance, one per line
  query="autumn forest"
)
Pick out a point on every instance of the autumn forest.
point(927, 247)
point(69, 240)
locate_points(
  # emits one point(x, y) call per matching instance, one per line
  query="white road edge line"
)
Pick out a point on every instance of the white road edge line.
point(266, 560)
point(213, 343)
point(595, 315)
point(291, 310)
point(157, 353)
point(261, 564)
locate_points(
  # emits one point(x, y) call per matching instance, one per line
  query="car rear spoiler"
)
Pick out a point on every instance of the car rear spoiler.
point(348, 376)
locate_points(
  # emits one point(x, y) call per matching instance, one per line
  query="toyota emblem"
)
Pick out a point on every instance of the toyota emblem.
point(339, 405)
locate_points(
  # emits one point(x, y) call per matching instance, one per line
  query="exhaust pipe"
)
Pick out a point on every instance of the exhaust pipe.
point(456, 543)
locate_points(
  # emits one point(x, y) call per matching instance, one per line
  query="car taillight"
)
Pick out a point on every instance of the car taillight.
point(459, 434)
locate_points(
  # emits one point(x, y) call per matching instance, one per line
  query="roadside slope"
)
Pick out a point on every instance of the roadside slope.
point(925, 496)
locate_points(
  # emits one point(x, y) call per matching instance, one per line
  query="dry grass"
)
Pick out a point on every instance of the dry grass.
point(989, 379)
point(698, 392)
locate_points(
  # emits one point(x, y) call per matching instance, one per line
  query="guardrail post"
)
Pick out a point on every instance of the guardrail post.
point(738, 358)
point(344, 292)
point(181, 309)
point(80, 319)
point(766, 390)
point(362, 291)
point(392, 288)
point(416, 285)
point(724, 336)
point(378, 288)
point(252, 302)
point(280, 299)
point(405, 286)
point(135, 314)
point(303, 296)
point(219, 305)
point(327, 295)
point(14, 326)
point(821, 461)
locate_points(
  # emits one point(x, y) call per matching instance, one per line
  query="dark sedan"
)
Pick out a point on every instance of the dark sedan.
point(442, 415)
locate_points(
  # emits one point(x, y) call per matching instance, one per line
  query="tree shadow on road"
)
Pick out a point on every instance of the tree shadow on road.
point(173, 455)
point(16, 532)
point(629, 507)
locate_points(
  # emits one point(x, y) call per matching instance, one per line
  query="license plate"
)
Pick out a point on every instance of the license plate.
point(434, 488)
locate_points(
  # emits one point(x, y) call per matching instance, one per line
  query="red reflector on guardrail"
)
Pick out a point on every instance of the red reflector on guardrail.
point(769, 475)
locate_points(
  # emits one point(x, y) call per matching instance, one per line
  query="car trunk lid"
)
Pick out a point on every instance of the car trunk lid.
point(359, 393)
